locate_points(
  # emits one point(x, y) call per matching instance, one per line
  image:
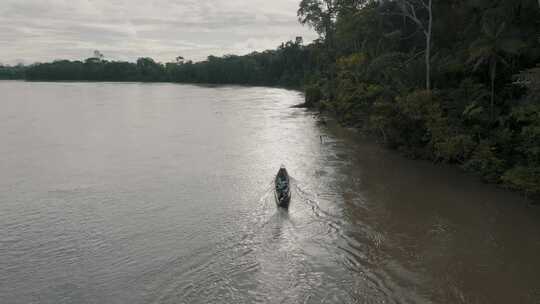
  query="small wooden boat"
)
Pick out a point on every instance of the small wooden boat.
point(283, 188)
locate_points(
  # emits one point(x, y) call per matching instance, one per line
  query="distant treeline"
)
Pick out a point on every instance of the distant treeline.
point(289, 65)
point(453, 81)
point(12, 72)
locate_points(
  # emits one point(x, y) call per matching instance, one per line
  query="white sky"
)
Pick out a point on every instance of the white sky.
point(44, 30)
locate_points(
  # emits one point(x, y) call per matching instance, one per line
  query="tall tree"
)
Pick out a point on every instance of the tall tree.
point(98, 55)
point(411, 9)
point(490, 49)
point(319, 14)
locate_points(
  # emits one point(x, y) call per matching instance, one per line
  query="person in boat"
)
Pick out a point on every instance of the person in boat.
point(282, 183)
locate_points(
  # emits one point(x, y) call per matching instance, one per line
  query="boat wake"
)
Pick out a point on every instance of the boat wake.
point(299, 255)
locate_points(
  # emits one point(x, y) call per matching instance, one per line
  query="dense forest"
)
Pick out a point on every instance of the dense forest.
point(12, 72)
point(285, 66)
point(454, 81)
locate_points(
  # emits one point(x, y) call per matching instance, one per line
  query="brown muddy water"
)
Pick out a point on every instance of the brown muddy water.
point(161, 193)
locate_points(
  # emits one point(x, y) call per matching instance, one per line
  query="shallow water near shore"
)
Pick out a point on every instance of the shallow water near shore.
point(162, 193)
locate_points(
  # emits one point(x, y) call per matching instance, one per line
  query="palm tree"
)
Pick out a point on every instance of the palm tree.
point(490, 49)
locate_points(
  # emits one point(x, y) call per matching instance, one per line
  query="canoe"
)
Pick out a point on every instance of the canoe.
point(283, 188)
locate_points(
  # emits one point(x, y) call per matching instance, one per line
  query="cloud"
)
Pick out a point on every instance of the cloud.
point(44, 30)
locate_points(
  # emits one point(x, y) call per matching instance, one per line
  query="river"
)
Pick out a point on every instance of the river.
point(162, 193)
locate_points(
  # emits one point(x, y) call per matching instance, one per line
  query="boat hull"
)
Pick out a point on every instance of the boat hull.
point(282, 188)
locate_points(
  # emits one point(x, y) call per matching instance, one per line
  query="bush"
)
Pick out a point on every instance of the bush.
point(485, 162)
point(456, 148)
point(421, 122)
point(313, 95)
point(523, 178)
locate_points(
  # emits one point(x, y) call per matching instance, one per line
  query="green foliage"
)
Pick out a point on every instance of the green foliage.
point(457, 148)
point(422, 124)
point(318, 14)
point(490, 49)
point(485, 161)
point(391, 69)
point(525, 173)
point(476, 115)
point(313, 95)
point(530, 78)
point(523, 178)
point(383, 120)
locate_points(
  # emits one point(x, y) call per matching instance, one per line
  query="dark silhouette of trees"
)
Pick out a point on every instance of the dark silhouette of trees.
point(12, 72)
point(288, 65)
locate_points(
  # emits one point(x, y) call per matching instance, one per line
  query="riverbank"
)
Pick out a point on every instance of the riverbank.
point(324, 108)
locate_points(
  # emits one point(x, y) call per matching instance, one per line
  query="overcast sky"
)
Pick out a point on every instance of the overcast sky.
point(44, 30)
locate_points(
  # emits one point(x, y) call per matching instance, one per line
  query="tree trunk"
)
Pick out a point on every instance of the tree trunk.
point(409, 11)
point(428, 46)
point(493, 75)
point(385, 139)
point(428, 62)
